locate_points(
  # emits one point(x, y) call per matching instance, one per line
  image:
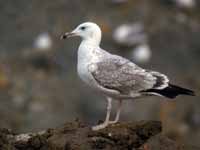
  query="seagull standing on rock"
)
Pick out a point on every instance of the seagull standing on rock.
point(114, 76)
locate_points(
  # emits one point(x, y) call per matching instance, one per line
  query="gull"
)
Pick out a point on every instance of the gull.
point(114, 76)
point(130, 34)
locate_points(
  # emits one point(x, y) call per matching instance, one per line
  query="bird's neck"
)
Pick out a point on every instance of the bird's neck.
point(88, 50)
point(91, 42)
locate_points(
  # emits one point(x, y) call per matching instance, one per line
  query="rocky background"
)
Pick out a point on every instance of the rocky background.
point(39, 87)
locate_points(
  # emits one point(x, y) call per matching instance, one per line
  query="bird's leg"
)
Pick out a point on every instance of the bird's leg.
point(119, 108)
point(106, 122)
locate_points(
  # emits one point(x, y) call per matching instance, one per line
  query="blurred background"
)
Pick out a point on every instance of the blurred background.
point(39, 86)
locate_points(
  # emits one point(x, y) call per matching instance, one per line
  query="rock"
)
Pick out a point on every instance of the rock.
point(161, 142)
point(78, 136)
point(6, 140)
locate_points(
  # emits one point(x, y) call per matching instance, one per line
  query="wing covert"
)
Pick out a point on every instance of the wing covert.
point(122, 75)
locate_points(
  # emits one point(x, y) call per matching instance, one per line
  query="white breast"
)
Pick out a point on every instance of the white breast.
point(87, 55)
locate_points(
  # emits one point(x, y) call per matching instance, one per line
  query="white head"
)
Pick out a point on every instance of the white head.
point(88, 31)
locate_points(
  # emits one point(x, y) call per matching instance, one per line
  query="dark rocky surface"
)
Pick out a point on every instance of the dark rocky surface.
point(78, 136)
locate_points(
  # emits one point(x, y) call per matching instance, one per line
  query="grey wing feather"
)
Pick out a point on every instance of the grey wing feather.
point(124, 76)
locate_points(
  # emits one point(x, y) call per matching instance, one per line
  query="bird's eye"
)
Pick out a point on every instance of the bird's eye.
point(83, 28)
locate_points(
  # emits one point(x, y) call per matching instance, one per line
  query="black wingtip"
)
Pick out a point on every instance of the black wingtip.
point(172, 91)
point(181, 90)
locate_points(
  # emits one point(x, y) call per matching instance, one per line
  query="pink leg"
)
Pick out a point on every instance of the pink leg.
point(106, 122)
point(118, 113)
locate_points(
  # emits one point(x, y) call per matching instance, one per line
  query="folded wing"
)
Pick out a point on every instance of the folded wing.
point(120, 74)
